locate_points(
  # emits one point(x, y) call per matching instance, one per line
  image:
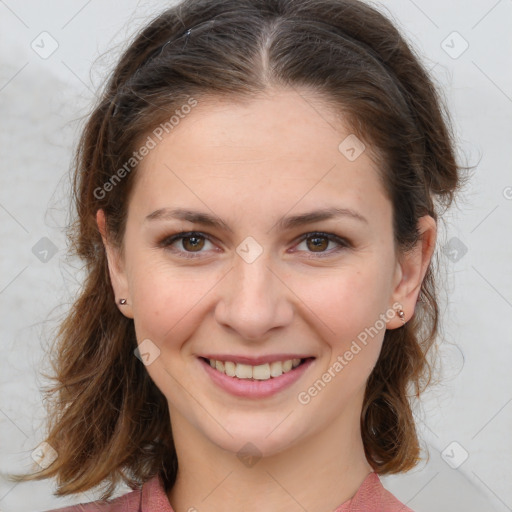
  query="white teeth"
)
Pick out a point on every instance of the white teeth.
point(230, 368)
point(259, 372)
point(287, 365)
point(243, 371)
point(276, 368)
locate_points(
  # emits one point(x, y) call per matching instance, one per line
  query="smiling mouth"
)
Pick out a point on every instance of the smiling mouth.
point(264, 371)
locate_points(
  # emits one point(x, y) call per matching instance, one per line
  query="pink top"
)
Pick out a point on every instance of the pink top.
point(370, 497)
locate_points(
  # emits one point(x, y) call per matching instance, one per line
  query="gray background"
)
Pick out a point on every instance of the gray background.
point(42, 100)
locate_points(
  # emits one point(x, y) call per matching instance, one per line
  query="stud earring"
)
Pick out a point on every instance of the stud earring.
point(122, 302)
point(401, 315)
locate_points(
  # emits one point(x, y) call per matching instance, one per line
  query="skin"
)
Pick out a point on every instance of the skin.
point(251, 163)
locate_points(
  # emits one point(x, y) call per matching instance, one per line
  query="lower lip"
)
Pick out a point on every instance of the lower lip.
point(248, 388)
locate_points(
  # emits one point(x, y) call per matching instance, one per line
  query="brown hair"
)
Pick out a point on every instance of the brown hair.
point(108, 421)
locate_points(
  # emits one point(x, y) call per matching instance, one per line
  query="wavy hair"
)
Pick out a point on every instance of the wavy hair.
point(107, 420)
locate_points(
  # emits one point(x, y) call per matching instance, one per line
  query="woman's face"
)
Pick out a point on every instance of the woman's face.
point(292, 258)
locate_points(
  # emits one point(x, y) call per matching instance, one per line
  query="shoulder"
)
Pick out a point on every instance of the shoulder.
point(126, 503)
point(373, 497)
point(129, 502)
point(150, 498)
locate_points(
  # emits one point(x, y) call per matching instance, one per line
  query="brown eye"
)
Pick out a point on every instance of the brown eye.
point(317, 243)
point(192, 243)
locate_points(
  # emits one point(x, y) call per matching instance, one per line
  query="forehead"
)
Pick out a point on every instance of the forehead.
point(279, 148)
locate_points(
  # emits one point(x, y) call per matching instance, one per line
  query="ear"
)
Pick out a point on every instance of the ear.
point(115, 267)
point(411, 269)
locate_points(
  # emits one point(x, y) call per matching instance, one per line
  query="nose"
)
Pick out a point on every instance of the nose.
point(254, 300)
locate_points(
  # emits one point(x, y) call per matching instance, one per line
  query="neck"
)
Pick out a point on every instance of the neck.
point(320, 473)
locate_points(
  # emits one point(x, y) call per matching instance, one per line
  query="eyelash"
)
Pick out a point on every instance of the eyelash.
point(169, 240)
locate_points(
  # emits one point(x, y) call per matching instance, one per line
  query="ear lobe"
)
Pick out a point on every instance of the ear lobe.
point(115, 267)
point(413, 267)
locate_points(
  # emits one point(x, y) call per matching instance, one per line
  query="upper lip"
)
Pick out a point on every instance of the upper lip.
point(254, 361)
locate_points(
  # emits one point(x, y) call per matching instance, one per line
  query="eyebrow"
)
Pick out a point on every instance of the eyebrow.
point(285, 223)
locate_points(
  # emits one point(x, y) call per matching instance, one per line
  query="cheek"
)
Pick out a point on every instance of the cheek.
point(166, 302)
point(351, 331)
point(346, 311)
point(347, 301)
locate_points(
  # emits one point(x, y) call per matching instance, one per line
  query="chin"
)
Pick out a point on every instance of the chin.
point(259, 439)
